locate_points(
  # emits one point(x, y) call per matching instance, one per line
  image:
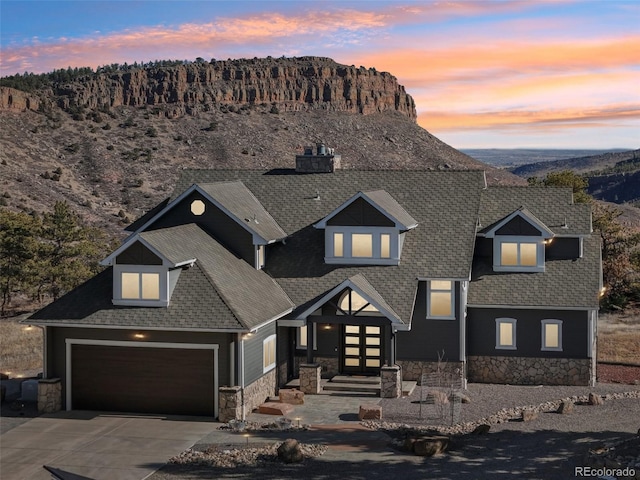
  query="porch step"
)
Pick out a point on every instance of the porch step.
point(408, 386)
point(359, 379)
point(352, 387)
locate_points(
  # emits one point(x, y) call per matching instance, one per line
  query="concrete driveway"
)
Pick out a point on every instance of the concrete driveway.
point(98, 446)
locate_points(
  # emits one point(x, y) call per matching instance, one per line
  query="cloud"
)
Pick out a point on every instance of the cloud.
point(586, 117)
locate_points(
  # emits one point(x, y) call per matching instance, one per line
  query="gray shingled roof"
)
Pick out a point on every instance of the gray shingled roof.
point(391, 206)
point(444, 204)
point(195, 304)
point(551, 205)
point(564, 283)
point(238, 199)
point(237, 295)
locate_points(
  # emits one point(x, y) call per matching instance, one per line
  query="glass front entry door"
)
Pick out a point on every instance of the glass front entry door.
point(362, 349)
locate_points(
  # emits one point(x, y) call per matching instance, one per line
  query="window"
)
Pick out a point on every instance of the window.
point(519, 254)
point(197, 207)
point(552, 335)
point(260, 253)
point(362, 245)
point(268, 353)
point(506, 333)
point(301, 341)
point(512, 254)
point(385, 245)
point(140, 286)
point(353, 303)
point(338, 244)
point(440, 299)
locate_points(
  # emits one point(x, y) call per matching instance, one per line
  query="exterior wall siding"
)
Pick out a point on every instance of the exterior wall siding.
point(427, 337)
point(481, 332)
point(563, 248)
point(214, 221)
point(253, 353)
point(138, 254)
point(56, 342)
point(360, 213)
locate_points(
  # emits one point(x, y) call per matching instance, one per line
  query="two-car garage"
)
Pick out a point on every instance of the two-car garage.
point(142, 377)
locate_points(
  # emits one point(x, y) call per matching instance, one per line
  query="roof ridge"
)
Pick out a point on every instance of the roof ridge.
point(220, 295)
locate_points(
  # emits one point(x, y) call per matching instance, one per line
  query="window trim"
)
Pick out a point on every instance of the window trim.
point(271, 339)
point(513, 323)
point(543, 335)
point(376, 233)
point(452, 291)
point(518, 240)
point(163, 273)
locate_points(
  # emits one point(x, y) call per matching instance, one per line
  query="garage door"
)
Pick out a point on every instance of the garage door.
point(142, 380)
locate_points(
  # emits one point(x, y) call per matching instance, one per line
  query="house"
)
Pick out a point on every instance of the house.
point(243, 280)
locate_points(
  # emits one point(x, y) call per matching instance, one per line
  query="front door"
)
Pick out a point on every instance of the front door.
point(362, 349)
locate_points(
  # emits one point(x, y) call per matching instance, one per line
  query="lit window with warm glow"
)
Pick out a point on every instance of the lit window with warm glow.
point(269, 353)
point(352, 303)
point(338, 244)
point(552, 335)
point(518, 254)
point(385, 245)
point(440, 299)
point(140, 286)
point(197, 207)
point(362, 245)
point(506, 333)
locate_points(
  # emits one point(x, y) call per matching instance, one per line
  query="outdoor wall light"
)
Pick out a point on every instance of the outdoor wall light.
point(246, 435)
point(28, 328)
point(139, 336)
point(327, 326)
point(603, 290)
point(247, 335)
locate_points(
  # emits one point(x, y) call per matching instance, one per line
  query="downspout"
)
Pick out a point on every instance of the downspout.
point(241, 373)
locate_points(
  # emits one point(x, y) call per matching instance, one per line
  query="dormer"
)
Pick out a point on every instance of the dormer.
point(367, 229)
point(145, 270)
point(229, 212)
point(519, 242)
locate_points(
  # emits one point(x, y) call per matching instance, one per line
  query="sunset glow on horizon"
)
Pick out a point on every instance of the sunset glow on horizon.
point(483, 74)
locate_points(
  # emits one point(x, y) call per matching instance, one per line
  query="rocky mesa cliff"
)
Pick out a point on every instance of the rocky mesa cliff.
point(288, 84)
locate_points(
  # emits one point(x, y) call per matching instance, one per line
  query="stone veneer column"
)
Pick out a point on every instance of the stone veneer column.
point(310, 378)
point(49, 395)
point(230, 399)
point(391, 382)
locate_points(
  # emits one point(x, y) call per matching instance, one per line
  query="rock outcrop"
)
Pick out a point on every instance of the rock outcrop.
point(286, 84)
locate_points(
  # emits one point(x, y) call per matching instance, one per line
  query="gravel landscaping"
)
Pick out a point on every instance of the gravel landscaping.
point(548, 447)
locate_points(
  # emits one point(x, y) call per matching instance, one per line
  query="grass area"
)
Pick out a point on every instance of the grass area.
point(20, 348)
point(619, 347)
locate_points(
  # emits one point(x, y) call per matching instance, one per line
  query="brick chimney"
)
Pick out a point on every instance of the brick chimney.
point(323, 161)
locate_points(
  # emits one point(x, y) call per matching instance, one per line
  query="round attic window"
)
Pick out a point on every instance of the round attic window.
point(197, 207)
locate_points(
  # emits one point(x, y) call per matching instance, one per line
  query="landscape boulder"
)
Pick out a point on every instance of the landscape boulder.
point(370, 412)
point(291, 396)
point(595, 399)
point(430, 446)
point(290, 451)
point(481, 429)
point(275, 408)
point(528, 414)
point(565, 407)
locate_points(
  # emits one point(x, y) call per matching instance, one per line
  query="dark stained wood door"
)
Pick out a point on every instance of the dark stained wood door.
point(143, 380)
point(362, 349)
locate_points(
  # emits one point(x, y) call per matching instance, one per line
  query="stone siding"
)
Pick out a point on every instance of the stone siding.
point(254, 394)
point(390, 382)
point(257, 392)
point(49, 395)
point(529, 371)
point(310, 378)
point(230, 399)
point(413, 369)
point(330, 365)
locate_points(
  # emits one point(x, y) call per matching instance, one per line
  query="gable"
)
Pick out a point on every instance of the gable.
point(361, 213)
point(138, 254)
point(518, 226)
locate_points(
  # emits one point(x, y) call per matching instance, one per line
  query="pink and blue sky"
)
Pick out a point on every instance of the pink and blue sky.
point(484, 74)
